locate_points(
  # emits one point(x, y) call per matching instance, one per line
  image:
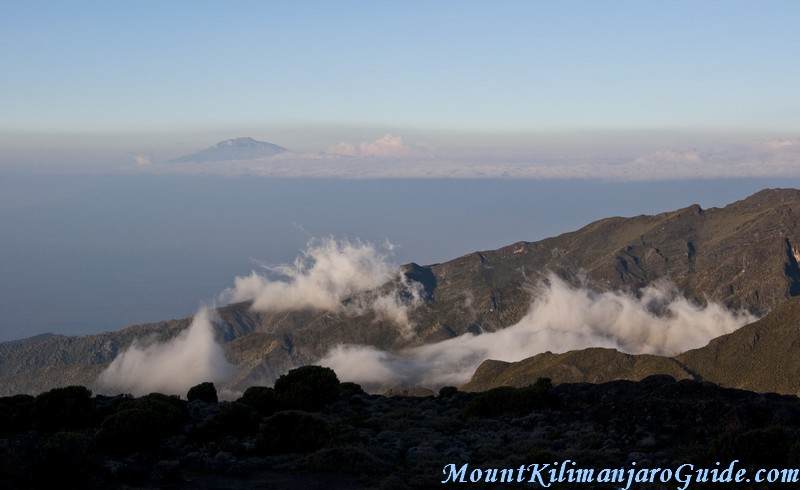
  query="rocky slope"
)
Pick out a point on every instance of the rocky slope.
point(743, 255)
point(761, 356)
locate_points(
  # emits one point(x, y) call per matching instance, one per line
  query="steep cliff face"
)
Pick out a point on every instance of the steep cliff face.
point(744, 256)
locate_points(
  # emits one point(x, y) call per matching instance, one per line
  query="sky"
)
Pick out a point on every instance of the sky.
point(96, 86)
point(443, 127)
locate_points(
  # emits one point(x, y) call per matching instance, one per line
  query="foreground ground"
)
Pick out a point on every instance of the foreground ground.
point(315, 434)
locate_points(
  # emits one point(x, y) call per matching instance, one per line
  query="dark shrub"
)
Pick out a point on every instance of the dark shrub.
point(204, 392)
point(16, 414)
point(767, 447)
point(131, 430)
point(448, 392)
point(349, 459)
point(348, 389)
point(170, 409)
point(235, 419)
point(307, 388)
point(63, 408)
point(505, 400)
point(107, 405)
point(292, 431)
point(65, 460)
point(262, 399)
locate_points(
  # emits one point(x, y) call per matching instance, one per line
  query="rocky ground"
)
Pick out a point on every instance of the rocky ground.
point(316, 433)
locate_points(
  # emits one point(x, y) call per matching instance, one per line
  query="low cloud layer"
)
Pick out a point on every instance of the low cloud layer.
point(329, 272)
point(562, 318)
point(172, 367)
point(391, 156)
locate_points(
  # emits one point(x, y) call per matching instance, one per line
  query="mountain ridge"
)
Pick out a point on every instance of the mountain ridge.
point(743, 256)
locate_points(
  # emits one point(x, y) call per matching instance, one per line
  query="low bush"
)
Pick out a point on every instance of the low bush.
point(506, 400)
point(235, 419)
point(204, 392)
point(16, 414)
point(65, 461)
point(292, 431)
point(766, 447)
point(67, 408)
point(262, 399)
point(307, 388)
point(170, 409)
point(132, 430)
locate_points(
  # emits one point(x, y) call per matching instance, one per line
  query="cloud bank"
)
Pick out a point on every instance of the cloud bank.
point(657, 321)
point(329, 272)
point(172, 367)
point(393, 157)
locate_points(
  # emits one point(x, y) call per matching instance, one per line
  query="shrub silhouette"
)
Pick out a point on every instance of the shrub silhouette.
point(131, 430)
point(66, 408)
point(349, 389)
point(170, 409)
point(448, 392)
point(16, 414)
point(292, 431)
point(505, 400)
point(205, 392)
point(261, 399)
point(307, 388)
point(235, 419)
point(65, 460)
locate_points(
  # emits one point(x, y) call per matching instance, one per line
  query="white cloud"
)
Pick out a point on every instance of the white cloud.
point(143, 159)
point(170, 367)
point(329, 272)
point(562, 318)
point(387, 146)
point(344, 149)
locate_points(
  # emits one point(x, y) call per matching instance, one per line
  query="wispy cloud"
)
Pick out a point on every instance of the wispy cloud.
point(329, 272)
point(171, 367)
point(143, 159)
point(657, 321)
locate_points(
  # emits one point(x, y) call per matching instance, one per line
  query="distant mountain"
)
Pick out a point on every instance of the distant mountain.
point(233, 149)
point(744, 255)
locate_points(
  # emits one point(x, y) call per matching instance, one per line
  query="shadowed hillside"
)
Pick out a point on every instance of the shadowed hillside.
point(761, 356)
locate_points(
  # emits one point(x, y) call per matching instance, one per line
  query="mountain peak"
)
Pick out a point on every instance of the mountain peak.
point(242, 148)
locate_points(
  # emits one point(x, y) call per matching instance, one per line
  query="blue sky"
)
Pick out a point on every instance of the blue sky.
point(115, 78)
point(573, 91)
